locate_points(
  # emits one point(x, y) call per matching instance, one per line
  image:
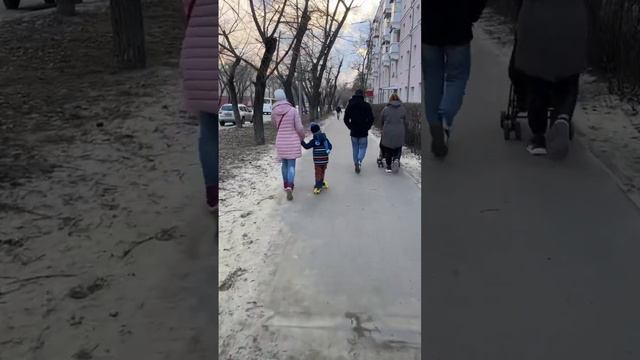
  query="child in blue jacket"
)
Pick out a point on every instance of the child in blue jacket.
point(321, 150)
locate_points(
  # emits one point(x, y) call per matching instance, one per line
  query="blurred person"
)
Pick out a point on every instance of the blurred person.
point(446, 63)
point(393, 117)
point(321, 149)
point(358, 117)
point(290, 133)
point(199, 67)
point(551, 51)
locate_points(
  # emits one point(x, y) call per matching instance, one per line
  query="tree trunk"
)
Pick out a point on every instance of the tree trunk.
point(128, 33)
point(295, 53)
point(233, 91)
point(66, 7)
point(270, 45)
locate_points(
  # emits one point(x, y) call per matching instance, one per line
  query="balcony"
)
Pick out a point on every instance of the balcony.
point(386, 38)
point(386, 9)
point(396, 19)
point(394, 51)
point(386, 60)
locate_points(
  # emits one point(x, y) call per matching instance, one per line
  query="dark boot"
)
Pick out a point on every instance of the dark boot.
point(212, 198)
point(438, 143)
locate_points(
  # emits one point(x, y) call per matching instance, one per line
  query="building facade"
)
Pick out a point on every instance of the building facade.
point(395, 52)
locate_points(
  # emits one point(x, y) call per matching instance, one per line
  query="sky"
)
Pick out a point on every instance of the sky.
point(353, 29)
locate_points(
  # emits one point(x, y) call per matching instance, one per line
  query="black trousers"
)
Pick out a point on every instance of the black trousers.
point(560, 95)
point(388, 154)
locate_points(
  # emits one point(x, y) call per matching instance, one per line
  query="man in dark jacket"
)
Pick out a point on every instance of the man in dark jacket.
point(446, 62)
point(358, 117)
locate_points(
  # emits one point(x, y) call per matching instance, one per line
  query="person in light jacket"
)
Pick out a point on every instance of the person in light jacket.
point(290, 133)
point(199, 68)
point(394, 117)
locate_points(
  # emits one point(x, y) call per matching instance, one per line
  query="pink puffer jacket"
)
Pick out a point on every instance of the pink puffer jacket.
point(290, 130)
point(199, 58)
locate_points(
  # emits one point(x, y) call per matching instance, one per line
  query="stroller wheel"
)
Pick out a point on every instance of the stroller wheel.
point(517, 129)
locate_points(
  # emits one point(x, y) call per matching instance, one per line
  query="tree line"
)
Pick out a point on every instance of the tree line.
point(286, 42)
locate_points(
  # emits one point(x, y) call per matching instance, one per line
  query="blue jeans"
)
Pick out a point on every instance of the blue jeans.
point(359, 146)
point(208, 148)
point(288, 172)
point(446, 72)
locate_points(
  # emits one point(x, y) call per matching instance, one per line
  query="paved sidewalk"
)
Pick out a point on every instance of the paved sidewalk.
point(348, 282)
point(526, 258)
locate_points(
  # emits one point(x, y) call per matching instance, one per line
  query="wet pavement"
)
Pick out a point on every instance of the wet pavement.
point(525, 258)
point(348, 284)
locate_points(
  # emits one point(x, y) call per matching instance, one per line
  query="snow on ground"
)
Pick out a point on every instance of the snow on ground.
point(608, 125)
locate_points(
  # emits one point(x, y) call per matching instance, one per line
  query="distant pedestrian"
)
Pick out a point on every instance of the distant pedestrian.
point(358, 117)
point(551, 51)
point(394, 117)
point(289, 134)
point(446, 63)
point(321, 149)
point(338, 112)
point(199, 67)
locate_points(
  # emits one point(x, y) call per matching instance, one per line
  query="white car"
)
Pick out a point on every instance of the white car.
point(266, 109)
point(225, 115)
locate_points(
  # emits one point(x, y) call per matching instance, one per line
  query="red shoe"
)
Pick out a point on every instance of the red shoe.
point(212, 198)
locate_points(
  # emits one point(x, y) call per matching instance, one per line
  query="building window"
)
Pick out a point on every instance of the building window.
point(413, 91)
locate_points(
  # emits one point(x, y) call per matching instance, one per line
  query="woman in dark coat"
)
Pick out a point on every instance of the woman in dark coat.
point(551, 51)
point(393, 116)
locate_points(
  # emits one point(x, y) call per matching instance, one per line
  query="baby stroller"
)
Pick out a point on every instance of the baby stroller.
point(517, 103)
point(395, 160)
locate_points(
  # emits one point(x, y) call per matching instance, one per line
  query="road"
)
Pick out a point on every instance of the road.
point(348, 282)
point(525, 258)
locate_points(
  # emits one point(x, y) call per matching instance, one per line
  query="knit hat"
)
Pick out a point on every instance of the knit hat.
point(315, 128)
point(359, 92)
point(280, 95)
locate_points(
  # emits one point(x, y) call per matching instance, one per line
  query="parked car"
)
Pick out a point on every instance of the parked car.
point(14, 4)
point(266, 109)
point(225, 115)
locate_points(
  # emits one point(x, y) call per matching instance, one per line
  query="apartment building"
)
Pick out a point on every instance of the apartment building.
point(395, 52)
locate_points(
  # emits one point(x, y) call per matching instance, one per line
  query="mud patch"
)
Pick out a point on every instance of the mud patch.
point(231, 279)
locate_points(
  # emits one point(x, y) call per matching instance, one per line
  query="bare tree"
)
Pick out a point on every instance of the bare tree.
point(329, 23)
point(267, 20)
point(302, 25)
point(229, 73)
point(128, 33)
